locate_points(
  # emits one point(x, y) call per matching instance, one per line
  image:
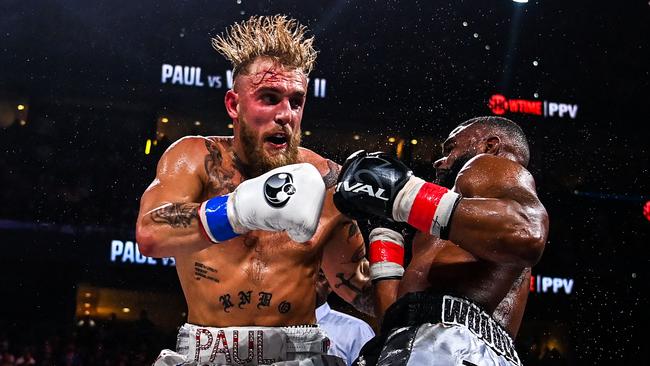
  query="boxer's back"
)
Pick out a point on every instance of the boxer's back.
point(259, 278)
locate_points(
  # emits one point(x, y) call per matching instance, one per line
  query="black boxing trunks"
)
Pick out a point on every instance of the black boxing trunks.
point(287, 346)
point(428, 329)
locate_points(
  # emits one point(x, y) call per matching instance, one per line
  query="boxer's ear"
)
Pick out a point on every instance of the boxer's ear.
point(232, 100)
point(492, 145)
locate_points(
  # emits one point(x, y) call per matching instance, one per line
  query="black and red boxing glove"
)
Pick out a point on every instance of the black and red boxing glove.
point(386, 254)
point(378, 184)
point(368, 183)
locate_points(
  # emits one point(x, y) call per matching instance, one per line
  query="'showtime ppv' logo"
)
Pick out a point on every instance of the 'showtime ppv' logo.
point(499, 105)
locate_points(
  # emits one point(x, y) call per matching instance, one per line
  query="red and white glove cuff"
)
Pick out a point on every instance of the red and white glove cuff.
point(386, 254)
point(426, 206)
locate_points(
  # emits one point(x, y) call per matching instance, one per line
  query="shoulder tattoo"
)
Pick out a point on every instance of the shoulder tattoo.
point(332, 175)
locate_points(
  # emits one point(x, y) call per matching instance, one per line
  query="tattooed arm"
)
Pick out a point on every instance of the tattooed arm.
point(167, 222)
point(346, 267)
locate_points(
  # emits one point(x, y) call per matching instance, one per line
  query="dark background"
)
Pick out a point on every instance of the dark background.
point(89, 76)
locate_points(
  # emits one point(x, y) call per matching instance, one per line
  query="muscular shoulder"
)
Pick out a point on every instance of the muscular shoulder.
point(491, 176)
point(188, 154)
point(197, 145)
point(328, 169)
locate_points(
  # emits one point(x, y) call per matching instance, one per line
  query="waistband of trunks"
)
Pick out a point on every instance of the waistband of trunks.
point(297, 338)
point(416, 308)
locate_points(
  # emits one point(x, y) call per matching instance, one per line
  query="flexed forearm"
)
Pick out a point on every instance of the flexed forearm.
point(169, 230)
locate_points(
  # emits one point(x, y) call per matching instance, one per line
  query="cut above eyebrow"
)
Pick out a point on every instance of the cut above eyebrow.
point(263, 89)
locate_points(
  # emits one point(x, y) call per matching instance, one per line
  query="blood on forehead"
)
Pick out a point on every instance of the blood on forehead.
point(273, 77)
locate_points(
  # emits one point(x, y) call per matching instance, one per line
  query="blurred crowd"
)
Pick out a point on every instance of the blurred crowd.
point(89, 342)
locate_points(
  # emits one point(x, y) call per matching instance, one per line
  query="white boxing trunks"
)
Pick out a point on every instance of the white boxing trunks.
point(428, 329)
point(287, 346)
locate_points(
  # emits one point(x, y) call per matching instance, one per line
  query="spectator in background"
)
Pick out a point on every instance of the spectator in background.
point(347, 334)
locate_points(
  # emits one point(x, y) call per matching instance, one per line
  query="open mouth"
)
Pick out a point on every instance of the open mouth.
point(277, 139)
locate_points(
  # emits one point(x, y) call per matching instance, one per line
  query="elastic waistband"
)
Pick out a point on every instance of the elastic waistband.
point(417, 308)
point(264, 343)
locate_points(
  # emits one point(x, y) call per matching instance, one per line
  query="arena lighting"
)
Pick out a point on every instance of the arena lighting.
point(414, 142)
point(87, 305)
point(391, 139)
point(126, 310)
point(147, 147)
point(20, 107)
point(197, 123)
point(307, 133)
point(356, 137)
point(164, 120)
point(23, 122)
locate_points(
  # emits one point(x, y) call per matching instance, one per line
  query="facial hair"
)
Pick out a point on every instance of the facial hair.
point(447, 177)
point(258, 160)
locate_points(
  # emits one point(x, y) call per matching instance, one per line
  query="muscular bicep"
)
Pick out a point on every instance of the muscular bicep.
point(346, 267)
point(168, 219)
point(500, 217)
point(177, 183)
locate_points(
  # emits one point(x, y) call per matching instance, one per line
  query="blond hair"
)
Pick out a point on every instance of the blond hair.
point(276, 37)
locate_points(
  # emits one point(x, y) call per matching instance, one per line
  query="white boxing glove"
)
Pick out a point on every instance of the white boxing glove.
point(288, 198)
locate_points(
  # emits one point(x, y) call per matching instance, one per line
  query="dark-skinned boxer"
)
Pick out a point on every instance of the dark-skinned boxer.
point(461, 298)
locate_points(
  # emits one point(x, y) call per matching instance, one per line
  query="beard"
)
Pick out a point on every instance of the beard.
point(260, 161)
point(447, 177)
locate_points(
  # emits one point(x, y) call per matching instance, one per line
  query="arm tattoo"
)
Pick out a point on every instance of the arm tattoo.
point(352, 230)
point(332, 175)
point(363, 300)
point(359, 254)
point(176, 215)
point(220, 178)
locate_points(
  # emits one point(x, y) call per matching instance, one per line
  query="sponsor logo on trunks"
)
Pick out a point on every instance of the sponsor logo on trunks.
point(278, 189)
point(362, 188)
point(456, 311)
point(499, 105)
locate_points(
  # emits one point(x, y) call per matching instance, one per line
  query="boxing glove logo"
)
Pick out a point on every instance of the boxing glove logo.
point(278, 189)
point(360, 187)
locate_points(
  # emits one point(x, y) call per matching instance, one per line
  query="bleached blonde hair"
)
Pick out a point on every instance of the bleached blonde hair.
point(277, 37)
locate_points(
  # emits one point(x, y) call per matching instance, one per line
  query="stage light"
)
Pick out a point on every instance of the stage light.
point(356, 137)
point(87, 312)
point(23, 122)
point(391, 139)
point(535, 63)
point(414, 142)
point(147, 147)
point(87, 294)
point(86, 305)
point(307, 133)
point(164, 120)
point(230, 125)
point(126, 310)
point(20, 107)
point(646, 210)
point(520, 1)
point(197, 123)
